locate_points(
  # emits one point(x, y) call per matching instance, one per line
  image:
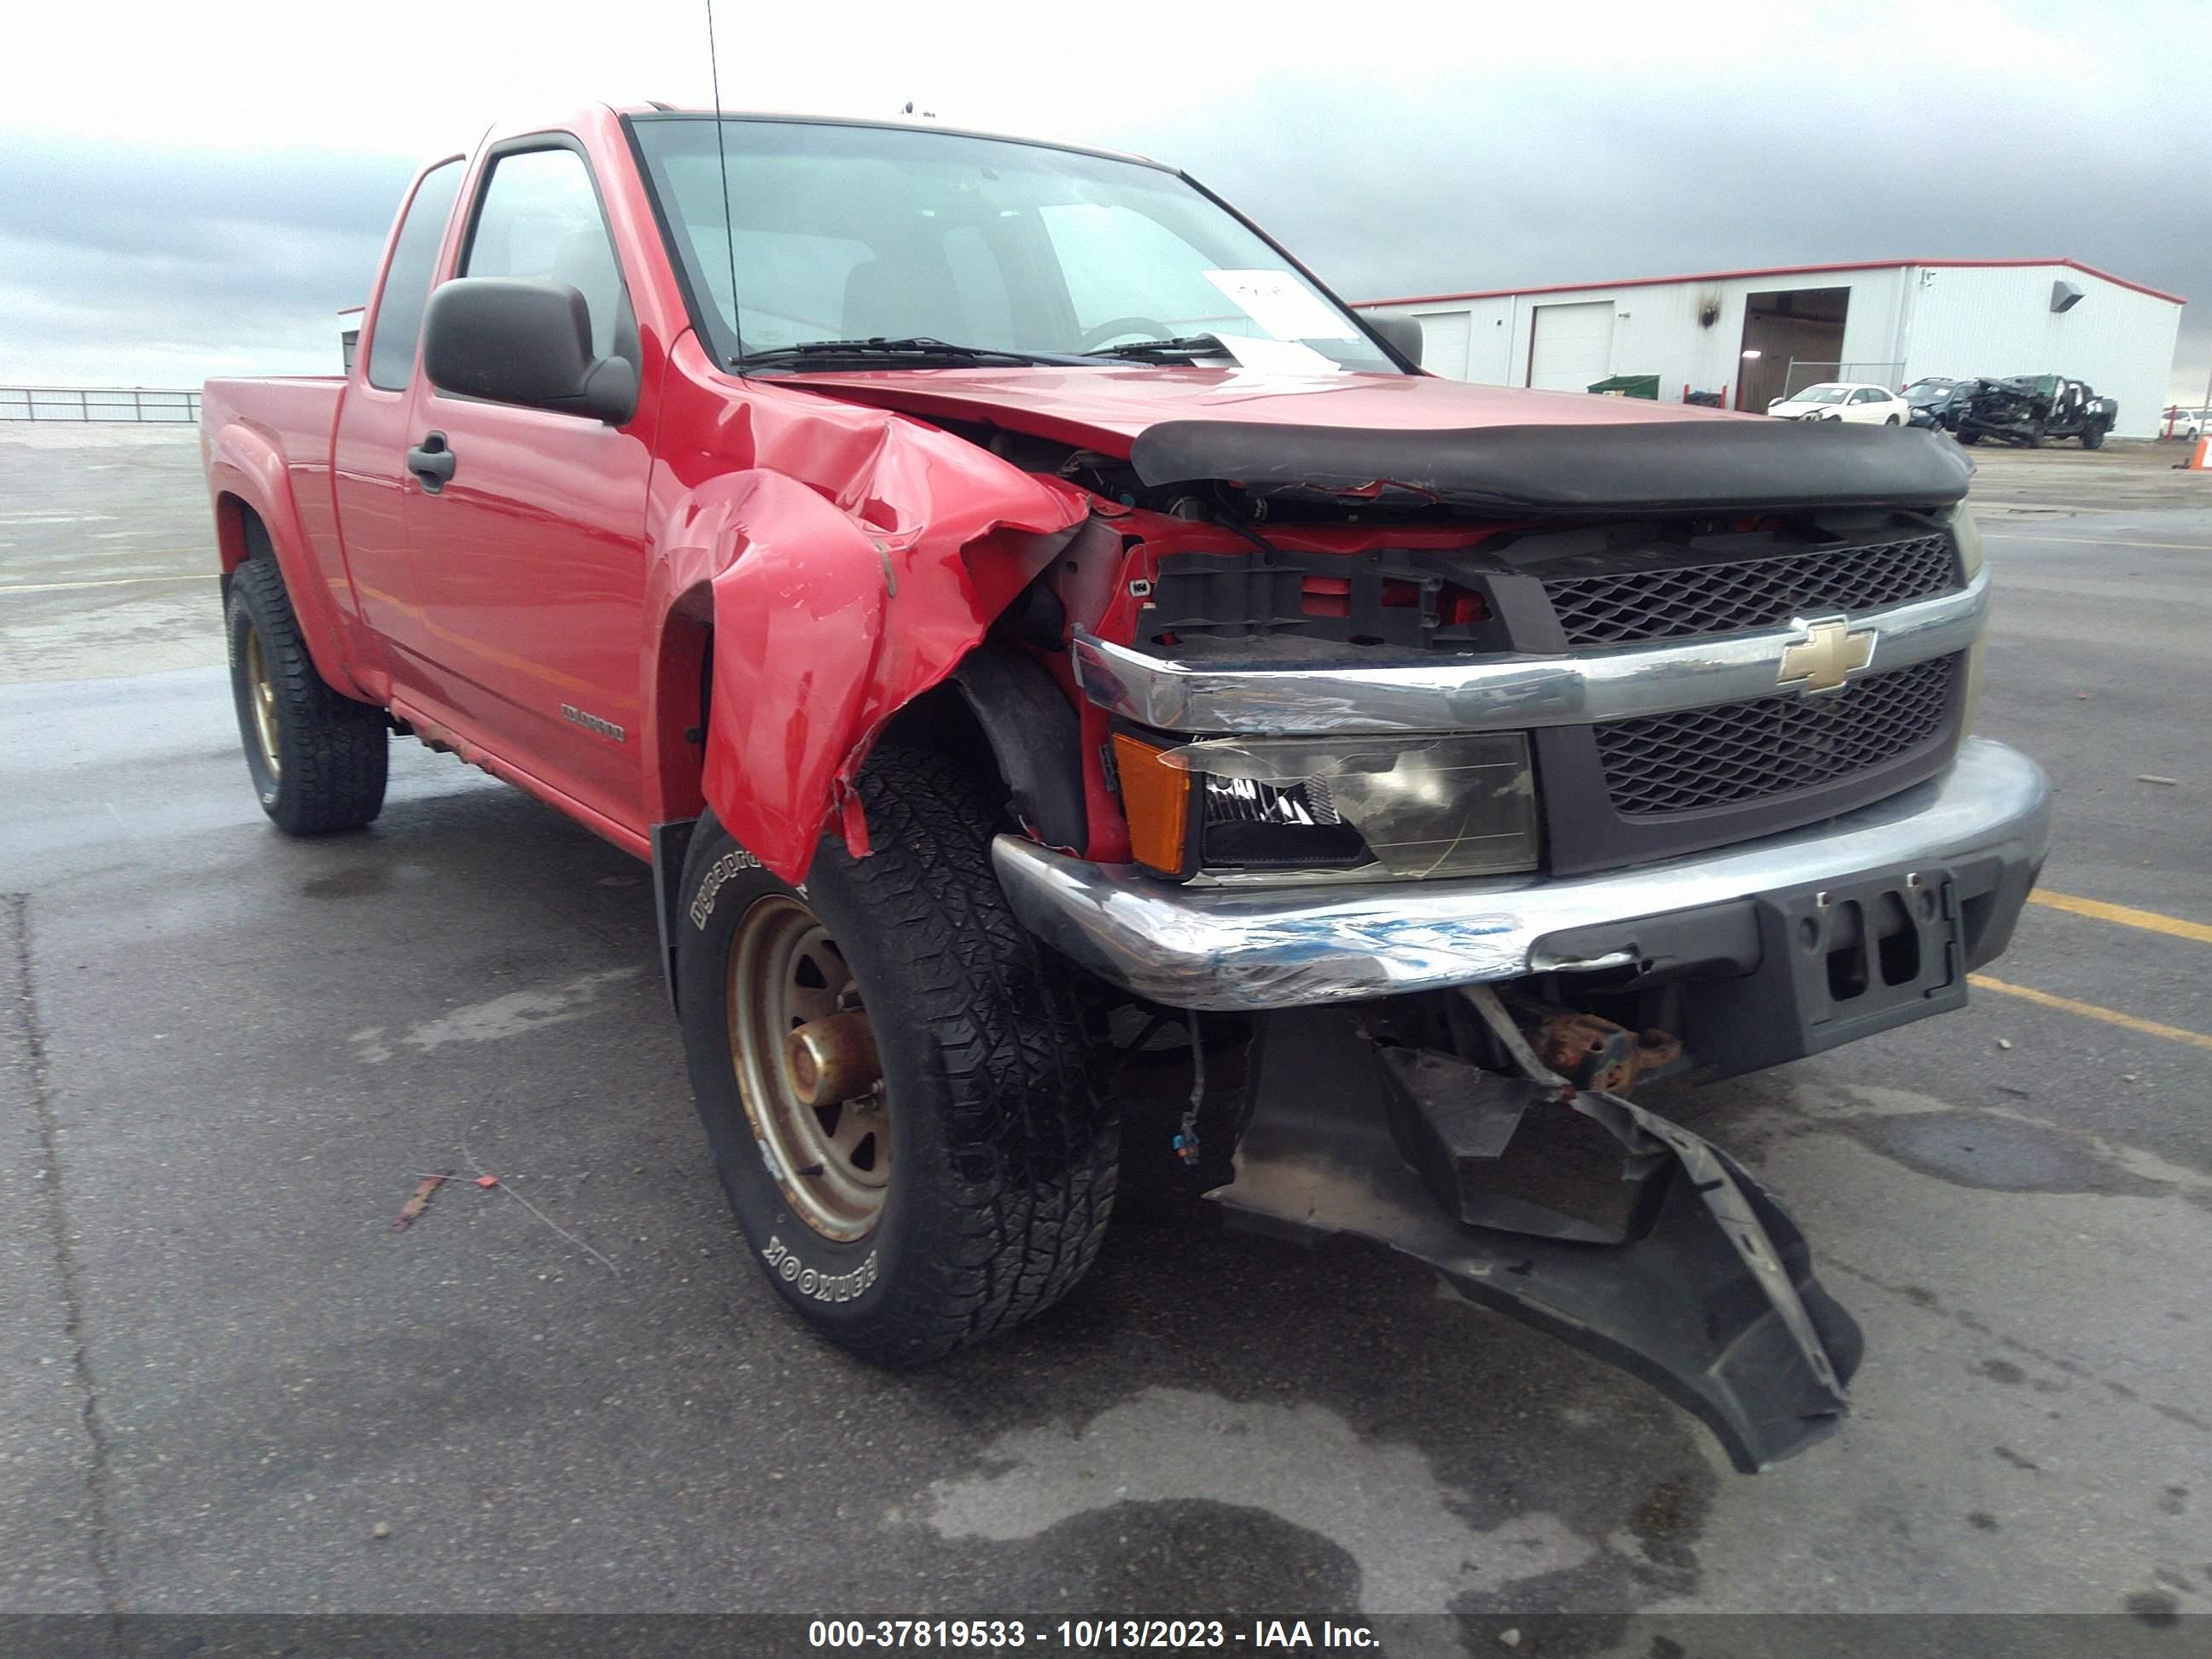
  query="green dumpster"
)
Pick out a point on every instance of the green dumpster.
point(1629, 385)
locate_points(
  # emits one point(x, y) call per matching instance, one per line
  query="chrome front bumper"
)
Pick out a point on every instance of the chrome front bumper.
point(1283, 947)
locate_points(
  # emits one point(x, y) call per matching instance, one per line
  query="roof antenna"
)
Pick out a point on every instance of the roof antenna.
point(722, 157)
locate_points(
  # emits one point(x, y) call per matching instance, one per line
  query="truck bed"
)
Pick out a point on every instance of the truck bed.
point(269, 441)
point(297, 411)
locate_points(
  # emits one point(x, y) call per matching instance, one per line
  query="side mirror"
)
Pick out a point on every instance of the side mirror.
point(512, 341)
point(1401, 334)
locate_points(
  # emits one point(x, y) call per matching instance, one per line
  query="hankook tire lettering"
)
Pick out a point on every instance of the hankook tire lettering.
point(813, 1281)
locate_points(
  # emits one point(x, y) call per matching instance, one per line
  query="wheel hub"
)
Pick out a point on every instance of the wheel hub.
point(804, 1055)
point(833, 1059)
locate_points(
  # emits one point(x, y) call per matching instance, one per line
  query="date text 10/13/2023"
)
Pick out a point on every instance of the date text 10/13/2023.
point(1084, 1635)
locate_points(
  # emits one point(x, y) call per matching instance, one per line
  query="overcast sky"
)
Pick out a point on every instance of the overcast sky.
point(194, 190)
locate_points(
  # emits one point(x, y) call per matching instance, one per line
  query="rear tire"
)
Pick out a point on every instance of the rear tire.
point(974, 1192)
point(1893, 421)
point(319, 760)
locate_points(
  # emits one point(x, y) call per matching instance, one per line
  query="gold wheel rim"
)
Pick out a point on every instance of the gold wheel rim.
point(833, 1160)
point(261, 691)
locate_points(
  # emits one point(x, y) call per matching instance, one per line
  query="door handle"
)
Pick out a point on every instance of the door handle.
point(432, 462)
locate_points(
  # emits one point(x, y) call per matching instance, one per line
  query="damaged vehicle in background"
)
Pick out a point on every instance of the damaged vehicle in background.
point(2030, 409)
point(1099, 716)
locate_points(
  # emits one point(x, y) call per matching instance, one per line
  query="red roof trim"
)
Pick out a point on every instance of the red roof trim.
point(1769, 271)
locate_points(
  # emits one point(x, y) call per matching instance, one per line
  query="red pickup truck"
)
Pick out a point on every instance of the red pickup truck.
point(1098, 714)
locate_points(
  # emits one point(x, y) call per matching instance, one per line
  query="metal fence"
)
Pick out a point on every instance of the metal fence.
point(99, 402)
point(1802, 375)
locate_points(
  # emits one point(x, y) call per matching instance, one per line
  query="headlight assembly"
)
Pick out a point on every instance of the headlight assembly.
point(1461, 804)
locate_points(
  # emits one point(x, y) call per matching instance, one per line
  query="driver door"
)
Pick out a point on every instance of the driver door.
point(530, 558)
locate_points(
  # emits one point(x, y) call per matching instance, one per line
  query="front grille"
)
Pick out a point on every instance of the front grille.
point(1667, 601)
point(1746, 752)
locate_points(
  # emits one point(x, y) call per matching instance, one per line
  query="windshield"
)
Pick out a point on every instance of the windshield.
point(855, 233)
point(1924, 392)
point(1821, 394)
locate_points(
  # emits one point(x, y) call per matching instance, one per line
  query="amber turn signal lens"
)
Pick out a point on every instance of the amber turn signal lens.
point(1156, 799)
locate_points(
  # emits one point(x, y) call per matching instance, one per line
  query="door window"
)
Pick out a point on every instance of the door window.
point(538, 217)
point(406, 290)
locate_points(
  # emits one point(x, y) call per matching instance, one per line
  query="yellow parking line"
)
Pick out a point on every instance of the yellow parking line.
point(2149, 920)
point(104, 581)
point(2098, 541)
point(2090, 1010)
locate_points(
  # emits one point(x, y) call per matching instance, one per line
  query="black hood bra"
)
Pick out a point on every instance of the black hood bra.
point(1660, 466)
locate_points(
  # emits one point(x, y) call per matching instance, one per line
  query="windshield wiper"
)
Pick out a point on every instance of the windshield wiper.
point(917, 347)
point(1183, 345)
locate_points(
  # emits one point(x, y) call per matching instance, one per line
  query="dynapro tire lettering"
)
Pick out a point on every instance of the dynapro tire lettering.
point(703, 902)
point(810, 1281)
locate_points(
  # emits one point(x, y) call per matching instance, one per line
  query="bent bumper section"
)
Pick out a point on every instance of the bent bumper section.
point(1686, 1273)
point(1986, 818)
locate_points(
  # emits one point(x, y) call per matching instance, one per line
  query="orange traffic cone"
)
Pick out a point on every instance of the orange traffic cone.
point(2202, 460)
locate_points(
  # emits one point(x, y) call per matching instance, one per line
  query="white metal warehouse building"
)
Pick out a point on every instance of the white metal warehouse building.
point(1749, 335)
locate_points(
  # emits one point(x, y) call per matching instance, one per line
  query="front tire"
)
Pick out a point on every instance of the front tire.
point(2093, 437)
point(319, 760)
point(965, 1183)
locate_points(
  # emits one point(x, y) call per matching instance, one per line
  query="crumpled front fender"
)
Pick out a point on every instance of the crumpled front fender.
point(849, 571)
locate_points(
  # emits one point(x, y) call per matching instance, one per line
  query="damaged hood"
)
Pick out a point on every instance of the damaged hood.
point(1109, 407)
point(1448, 440)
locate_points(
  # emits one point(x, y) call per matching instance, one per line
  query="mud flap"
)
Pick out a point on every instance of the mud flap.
point(1712, 1298)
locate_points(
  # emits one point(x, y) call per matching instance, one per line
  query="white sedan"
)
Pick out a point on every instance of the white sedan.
point(1843, 400)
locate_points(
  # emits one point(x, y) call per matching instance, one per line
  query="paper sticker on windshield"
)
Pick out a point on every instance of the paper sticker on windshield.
point(1282, 305)
point(1276, 356)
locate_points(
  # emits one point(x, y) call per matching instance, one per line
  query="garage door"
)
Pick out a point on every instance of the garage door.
point(1572, 349)
point(1444, 343)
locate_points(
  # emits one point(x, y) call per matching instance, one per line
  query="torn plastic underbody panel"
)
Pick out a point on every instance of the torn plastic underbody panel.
point(1683, 1270)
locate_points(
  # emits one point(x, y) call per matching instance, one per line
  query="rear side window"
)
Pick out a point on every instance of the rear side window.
point(539, 218)
point(407, 283)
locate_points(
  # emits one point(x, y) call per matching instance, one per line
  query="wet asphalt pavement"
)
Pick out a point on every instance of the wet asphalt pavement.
point(228, 1384)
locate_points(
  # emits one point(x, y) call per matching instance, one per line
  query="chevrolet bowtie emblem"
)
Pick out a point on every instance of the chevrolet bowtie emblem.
point(1830, 653)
